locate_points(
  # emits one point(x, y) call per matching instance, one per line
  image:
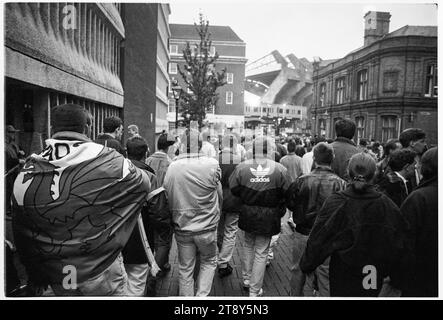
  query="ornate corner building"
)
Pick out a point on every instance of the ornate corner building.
point(386, 86)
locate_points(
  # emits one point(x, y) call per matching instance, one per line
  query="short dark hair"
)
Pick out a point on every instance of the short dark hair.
point(411, 134)
point(136, 147)
point(400, 158)
point(390, 146)
point(300, 151)
point(110, 124)
point(429, 163)
point(70, 117)
point(323, 153)
point(292, 145)
point(345, 128)
point(363, 142)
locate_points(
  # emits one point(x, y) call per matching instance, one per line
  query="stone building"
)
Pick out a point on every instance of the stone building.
point(231, 50)
point(387, 85)
point(60, 53)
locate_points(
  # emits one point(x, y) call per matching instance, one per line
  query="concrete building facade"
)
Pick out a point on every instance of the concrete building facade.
point(59, 53)
point(386, 86)
point(231, 50)
point(283, 85)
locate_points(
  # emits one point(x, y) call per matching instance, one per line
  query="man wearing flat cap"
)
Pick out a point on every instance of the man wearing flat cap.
point(76, 203)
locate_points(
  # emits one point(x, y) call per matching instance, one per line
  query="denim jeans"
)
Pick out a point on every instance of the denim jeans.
point(188, 246)
point(255, 252)
point(111, 282)
point(227, 231)
point(308, 285)
point(162, 245)
point(137, 275)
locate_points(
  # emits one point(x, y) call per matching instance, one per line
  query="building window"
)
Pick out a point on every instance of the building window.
point(322, 94)
point(173, 49)
point(431, 81)
point(388, 127)
point(362, 85)
point(298, 112)
point(255, 109)
point(171, 107)
point(339, 90)
point(280, 110)
point(172, 68)
point(230, 78)
point(287, 111)
point(212, 52)
point(229, 97)
point(360, 121)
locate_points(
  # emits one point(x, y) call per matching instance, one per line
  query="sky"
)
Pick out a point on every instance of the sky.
point(306, 29)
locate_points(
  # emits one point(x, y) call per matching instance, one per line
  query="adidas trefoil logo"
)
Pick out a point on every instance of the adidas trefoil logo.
point(260, 174)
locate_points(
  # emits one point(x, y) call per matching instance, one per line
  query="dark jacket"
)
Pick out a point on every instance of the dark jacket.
point(344, 149)
point(262, 188)
point(134, 251)
point(420, 209)
point(308, 193)
point(159, 162)
point(357, 230)
point(394, 187)
point(109, 141)
point(228, 161)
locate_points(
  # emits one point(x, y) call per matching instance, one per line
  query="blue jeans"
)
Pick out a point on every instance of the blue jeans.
point(188, 246)
point(111, 282)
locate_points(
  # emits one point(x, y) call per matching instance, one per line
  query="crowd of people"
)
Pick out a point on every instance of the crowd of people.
point(87, 216)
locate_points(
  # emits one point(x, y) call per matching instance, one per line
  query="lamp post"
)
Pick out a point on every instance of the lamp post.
point(176, 91)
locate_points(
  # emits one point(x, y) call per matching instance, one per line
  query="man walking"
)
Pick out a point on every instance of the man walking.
point(414, 139)
point(307, 195)
point(77, 204)
point(113, 130)
point(194, 192)
point(228, 225)
point(261, 184)
point(344, 147)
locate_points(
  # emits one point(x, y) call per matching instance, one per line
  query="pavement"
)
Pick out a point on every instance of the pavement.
point(276, 281)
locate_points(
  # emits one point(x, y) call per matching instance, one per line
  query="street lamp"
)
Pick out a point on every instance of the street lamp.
point(176, 91)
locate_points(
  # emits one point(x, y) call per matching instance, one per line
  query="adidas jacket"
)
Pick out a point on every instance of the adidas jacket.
point(262, 186)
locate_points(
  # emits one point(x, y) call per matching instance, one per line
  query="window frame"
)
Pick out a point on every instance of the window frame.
point(340, 90)
point(389, 131)
point(362, 85)
point(170, 68)
point(170, 48)
point(322, 95)
point(431, 80)
point(229, 78)
point(229, 94)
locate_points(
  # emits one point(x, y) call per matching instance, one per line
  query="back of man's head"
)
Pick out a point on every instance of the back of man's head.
point(345, 128)
point(70, 117)
point(229, 141)
point(263, 147)
point(323, 153)
point(411, 134)
point(191, 141)
point(400, 158)
point(429, 163)
point(136, 148)
point(363, 142)
point(165, 141)
point(110, 124)
point(292, 145)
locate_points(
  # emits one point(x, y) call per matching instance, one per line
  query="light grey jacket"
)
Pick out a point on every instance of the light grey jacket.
point(194, 190)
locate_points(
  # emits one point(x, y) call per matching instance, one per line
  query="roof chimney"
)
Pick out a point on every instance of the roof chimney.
point(376, 26)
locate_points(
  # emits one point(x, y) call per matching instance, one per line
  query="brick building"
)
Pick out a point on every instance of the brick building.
point(144, 75)
point(231, 51)
point(386, 86)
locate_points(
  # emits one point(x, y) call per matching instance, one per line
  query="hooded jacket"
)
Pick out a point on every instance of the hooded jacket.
point(362, 232)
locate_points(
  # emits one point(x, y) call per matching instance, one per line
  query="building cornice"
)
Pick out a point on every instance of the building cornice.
point(214, 42)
